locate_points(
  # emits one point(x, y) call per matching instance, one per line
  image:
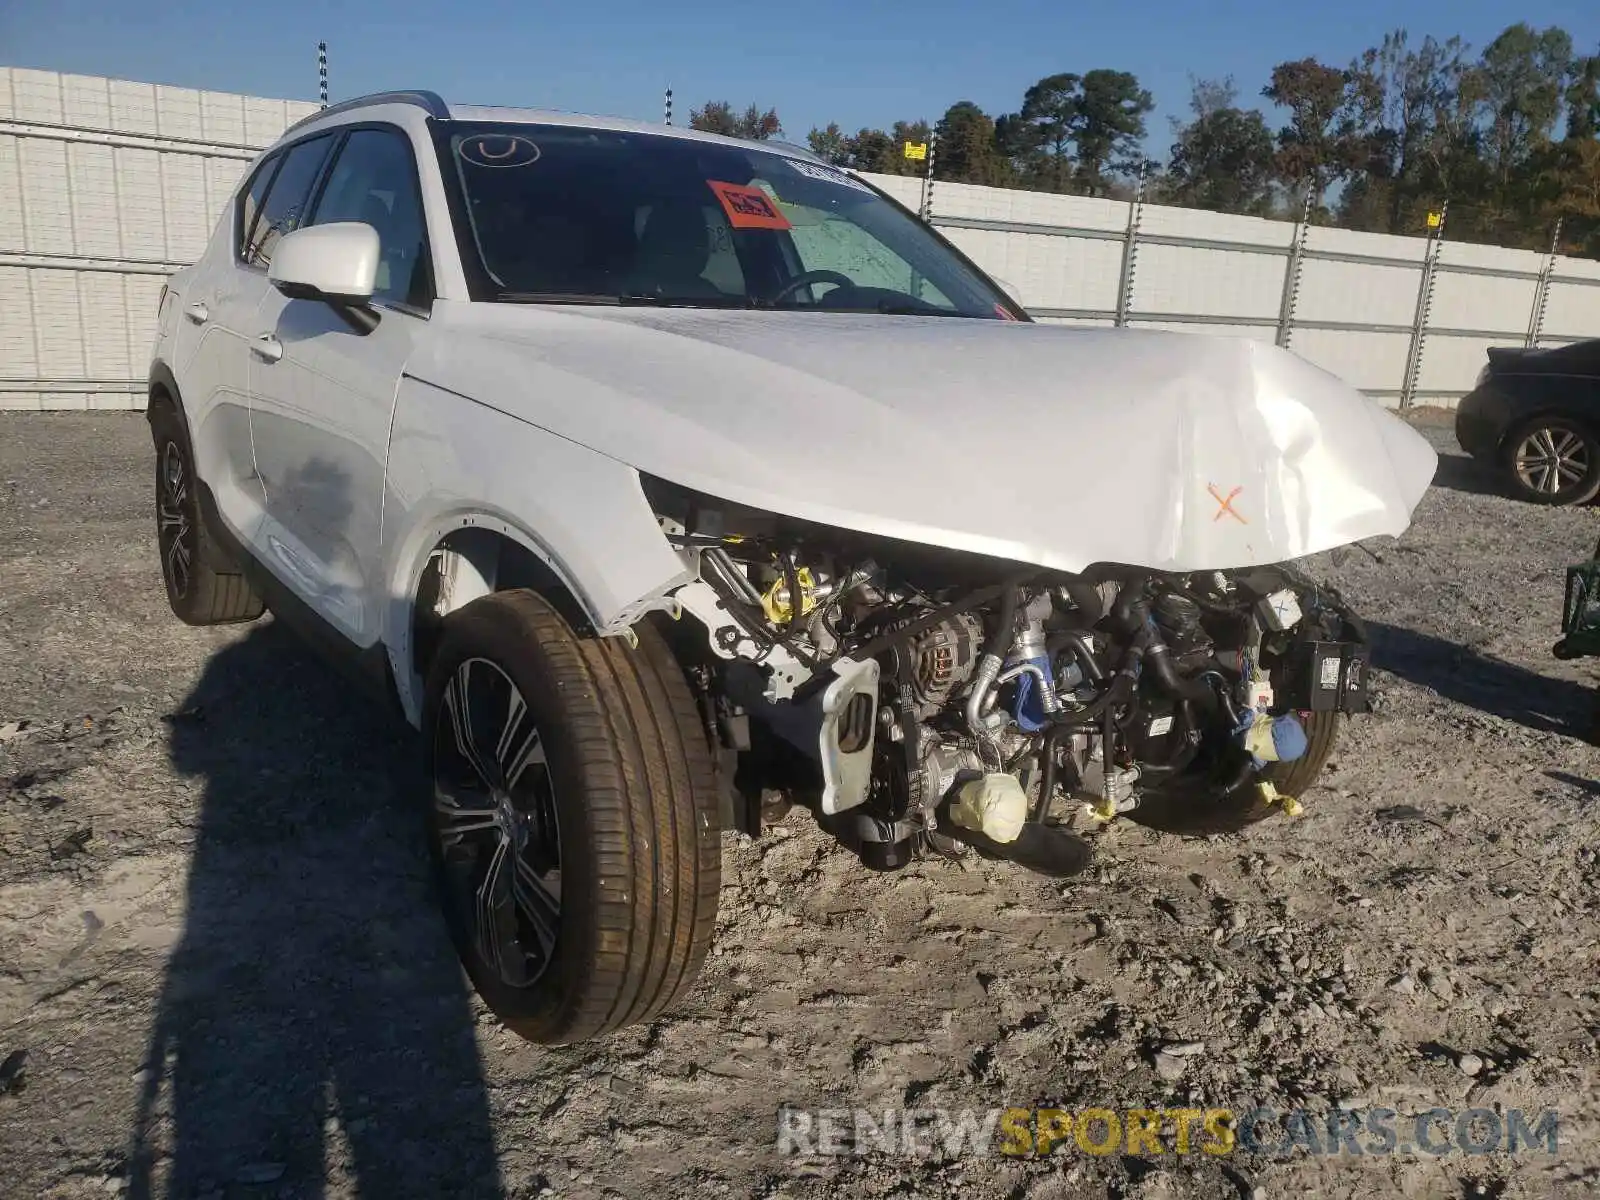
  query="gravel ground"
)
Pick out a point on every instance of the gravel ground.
point(218, 948)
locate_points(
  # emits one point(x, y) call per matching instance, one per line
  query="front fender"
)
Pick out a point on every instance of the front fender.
point(455, 463)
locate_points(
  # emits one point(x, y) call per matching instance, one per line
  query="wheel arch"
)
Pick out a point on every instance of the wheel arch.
point(1541, 407)
point(511, 505)
point(458, 559)
point(1519, 425)
point(162, 391)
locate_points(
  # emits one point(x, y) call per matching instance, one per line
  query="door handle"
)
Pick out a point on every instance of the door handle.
point(198, 313)
point(268, 347)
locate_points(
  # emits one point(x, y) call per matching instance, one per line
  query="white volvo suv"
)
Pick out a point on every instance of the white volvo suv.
point(660, 478)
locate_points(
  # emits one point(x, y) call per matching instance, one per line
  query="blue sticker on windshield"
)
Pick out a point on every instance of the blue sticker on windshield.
point(827, 174)
point(498, 150)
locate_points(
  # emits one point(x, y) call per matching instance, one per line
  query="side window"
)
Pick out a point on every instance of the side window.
point(250, 225)
point(374, 181)
point(283, 211)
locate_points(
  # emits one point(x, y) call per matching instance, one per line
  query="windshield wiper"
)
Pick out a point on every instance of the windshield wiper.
point(883, 308)
point(891, 309)
point(626, 299)
point(689, 301)
point(559, 298)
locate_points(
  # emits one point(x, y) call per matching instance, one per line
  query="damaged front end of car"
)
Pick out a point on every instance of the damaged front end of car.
point(917, 696)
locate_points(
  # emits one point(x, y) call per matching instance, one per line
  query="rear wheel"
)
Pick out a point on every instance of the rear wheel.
point(573, 818)
point(1189, 808)
point(1554, 460)
point(204, 586)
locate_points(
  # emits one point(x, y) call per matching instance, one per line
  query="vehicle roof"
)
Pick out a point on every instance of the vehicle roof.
point(436, 108)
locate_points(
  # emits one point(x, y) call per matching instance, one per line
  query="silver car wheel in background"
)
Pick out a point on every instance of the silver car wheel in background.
point(1551, 460)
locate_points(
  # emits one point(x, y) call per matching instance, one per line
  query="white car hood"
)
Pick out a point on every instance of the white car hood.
point(1047, 445)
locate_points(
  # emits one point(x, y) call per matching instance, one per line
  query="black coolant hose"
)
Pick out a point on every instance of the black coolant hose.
point(1240, 776)
point(1132, 612)
point(1158, 662)
point(1074, 640)
point(1117, 692)
point(998, 643)
point(1047, 767)
point(1059, 728)
point(1087, 598)
point(1230, 710)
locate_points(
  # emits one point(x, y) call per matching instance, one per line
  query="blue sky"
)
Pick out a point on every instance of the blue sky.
point(858, 63)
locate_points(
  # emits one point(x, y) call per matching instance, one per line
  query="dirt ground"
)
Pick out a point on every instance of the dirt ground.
point(219, 951)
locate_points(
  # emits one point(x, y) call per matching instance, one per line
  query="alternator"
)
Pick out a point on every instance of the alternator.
point(942, 658)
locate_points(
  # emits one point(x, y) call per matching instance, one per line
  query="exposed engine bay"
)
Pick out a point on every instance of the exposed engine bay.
point(925, 696)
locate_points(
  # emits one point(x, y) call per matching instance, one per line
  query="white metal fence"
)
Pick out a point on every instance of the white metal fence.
point(1405, 319)
point(107, 186)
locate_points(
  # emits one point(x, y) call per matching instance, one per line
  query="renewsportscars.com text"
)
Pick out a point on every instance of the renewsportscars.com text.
point(1037, 1132)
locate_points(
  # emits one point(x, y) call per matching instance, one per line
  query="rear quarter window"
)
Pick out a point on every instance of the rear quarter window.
point(250, 202)
point(287, 197)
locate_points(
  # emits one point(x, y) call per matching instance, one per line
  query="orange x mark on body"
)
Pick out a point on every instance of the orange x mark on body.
point(1225, 504)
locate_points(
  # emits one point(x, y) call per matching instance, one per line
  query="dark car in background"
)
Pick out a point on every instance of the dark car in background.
point(1535, 414)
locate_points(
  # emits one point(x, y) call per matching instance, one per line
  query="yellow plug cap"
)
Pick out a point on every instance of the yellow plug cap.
point(1271, 795)
point(780, 610)
point(1101, 808)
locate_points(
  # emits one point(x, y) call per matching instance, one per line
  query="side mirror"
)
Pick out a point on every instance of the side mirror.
point(337, 263)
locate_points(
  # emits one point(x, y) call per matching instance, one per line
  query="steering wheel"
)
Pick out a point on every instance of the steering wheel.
point(810, 277)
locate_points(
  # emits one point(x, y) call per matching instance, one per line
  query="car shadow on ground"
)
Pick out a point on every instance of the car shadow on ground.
point(1489, 685)
point(314, 1031)
point(1461, 473)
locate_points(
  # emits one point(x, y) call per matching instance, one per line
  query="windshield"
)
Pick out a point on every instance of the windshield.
point(565, 214)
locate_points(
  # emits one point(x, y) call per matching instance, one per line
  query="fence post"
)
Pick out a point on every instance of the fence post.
point(1291, 275)
point(1541, 294)
point(1130, 247)
point(927, 178)
point(1419, 324)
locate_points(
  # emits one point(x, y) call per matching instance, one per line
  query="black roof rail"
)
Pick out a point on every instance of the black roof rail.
point(429, 102)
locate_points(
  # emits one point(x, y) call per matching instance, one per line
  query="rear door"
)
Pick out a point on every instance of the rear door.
point(323, 391)
point(208, 358)
point(216, 321)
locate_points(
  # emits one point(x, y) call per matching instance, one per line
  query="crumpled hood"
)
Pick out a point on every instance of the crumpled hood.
point(1048, 445)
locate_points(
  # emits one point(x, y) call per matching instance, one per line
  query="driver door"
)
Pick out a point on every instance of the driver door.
point(323, 387)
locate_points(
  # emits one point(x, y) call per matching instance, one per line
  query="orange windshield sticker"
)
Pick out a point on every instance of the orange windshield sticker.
point(748, 207)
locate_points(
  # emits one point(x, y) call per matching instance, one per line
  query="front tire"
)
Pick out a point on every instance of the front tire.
point(1198, 811)
point(1553, 460)
point(572, 818)
point(204, 586)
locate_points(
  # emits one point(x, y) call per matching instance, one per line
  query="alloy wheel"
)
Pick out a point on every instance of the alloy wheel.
point(494, 819)
point(176, 534)
point(1550, 460)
